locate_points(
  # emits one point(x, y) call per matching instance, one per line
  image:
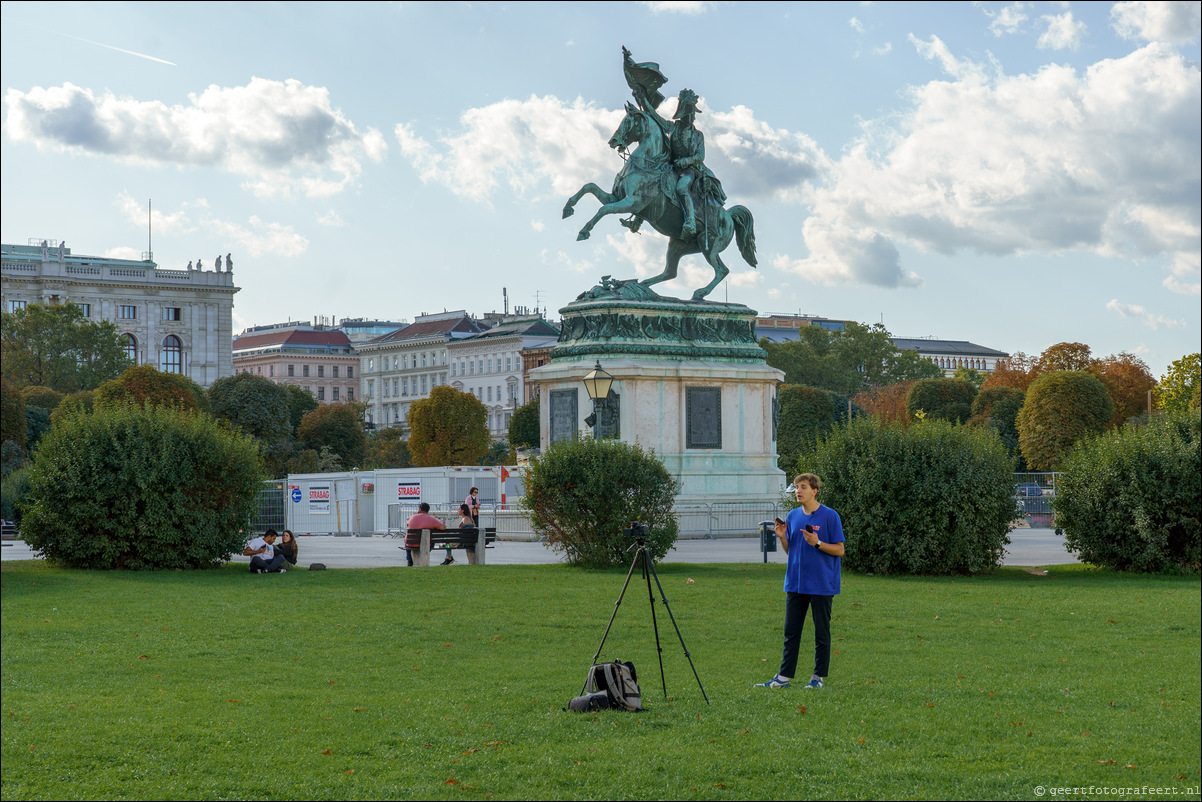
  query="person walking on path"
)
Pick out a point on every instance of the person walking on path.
point(812, 538)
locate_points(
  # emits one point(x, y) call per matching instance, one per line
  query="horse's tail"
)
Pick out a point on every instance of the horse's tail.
point(744, 232)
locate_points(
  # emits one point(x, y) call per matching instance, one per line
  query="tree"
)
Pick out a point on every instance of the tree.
point(806, 413)
point(57, 347)
point(447, 428)
point(997, 408)
point(942, 399)
point(79, 403)
point(387, 448)
point(336, 426)
point(497, 454)
point(145, 385)
point(300, 401)
point(1064, 356)
point(1178, 387)
point(1127, 380)
point(257, 406)
point(1131, 500)
point(140, 488)
point(524, 426)
point(856, 358)
point(1018, 372)
point(45, 398)
point(583, 492)
point(1061, 408)
point(12, 415)
point(887, 403)
point(971, 375)
point(929, 499)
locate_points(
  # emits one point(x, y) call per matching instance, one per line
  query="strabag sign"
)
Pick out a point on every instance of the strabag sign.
point(409, 491)
point(319, 499)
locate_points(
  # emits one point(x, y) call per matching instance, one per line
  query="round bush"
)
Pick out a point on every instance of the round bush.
point(1131, 499)
point(582, 493)
point(1061, 408)
point(134, 488)
point(932, 498)
point(944, 399)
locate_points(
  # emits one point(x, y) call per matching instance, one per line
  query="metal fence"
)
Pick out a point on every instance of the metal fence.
point(269, 508)
point(1033, 495)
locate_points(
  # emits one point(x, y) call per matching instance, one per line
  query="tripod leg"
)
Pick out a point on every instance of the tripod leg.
point(617, 604)
point(678, 635)
point(654, 626)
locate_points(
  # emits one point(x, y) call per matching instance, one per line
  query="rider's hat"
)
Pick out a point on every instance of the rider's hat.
point(686, 102)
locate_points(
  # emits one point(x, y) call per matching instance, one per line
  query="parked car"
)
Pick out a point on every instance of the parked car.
point(1028, 489)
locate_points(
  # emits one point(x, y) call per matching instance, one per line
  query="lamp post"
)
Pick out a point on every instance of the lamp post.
point(597, 383)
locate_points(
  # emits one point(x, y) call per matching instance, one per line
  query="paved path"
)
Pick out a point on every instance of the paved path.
point(1027, 547)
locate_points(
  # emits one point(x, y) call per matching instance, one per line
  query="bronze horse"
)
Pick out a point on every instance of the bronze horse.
point(644, 188)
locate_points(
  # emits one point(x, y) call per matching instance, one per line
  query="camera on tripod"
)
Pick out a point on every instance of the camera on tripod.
point(637, 531)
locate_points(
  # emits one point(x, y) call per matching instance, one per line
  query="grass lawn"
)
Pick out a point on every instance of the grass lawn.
point(449, 683)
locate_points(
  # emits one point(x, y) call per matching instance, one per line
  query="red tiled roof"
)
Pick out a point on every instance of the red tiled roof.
point(292, 337)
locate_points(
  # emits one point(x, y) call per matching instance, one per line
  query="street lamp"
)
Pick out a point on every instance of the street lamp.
point(597, 383)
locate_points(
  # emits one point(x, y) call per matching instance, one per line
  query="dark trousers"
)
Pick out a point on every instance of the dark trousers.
point(258, 562)
point(796, 605)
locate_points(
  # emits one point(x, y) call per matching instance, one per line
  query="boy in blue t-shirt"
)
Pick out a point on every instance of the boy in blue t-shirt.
point(812, 537)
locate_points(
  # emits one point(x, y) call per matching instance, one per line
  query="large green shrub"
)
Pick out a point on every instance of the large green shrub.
point(1062, 408)
point(146, 385)
point(582, 493)
point(933, 498)
point(257, 406)
point(1131, 500)
point(942, 399)
point(998, 408)
point(805, 413)
point(140, 488)
point(13, 490)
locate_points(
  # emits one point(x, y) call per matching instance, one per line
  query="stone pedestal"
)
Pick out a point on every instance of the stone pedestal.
point(691, 385)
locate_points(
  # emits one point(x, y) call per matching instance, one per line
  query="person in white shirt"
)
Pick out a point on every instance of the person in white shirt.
point(263, 559)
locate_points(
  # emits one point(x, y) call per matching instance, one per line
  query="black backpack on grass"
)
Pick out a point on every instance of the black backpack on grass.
point(610, 685)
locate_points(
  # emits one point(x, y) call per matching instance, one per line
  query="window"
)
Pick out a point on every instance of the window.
point(423, 361)
point(86, 309)
point(481, 365)
point(490, 394)
point(335, 371)
point(423, 385)
point(305, 372)
point(452, 368)
point(350, 371)
point(394, 387)
point(371, 364)
point(271, 371)
point(490, 366)
point(350, 394)
point(371, 388)
point(471, 368)
point(13, 306)
point(171, 313)
point(321, 394)
point(321, 371)
point(291, 371)
point(171, 359)
point(127, 312)
point(335, 393)
point(130, 344)
point(508, 364)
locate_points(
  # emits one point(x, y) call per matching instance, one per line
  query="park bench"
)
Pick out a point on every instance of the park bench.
point(8, 533)
point(427, 540)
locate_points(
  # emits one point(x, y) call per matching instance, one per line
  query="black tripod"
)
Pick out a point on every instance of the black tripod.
point(648, 571)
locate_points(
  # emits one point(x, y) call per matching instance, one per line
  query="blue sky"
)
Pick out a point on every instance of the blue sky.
point(1015, 174)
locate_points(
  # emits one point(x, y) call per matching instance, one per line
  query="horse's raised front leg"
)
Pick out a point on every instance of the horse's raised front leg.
point(676, 249)
point(588, 189)
point(628, 205)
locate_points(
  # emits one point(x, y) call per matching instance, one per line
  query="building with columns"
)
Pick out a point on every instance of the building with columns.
point(314, 358)
point(403, 366)
point(179, 321)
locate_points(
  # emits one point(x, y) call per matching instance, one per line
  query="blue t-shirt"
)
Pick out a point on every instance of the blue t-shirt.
point(809, 570)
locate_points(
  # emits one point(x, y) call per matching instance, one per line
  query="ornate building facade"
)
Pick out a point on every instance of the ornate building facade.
point(314, 358)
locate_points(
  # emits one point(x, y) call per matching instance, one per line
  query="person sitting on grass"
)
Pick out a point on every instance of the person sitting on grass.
point(263, 559)
point(288, 547)
point(422, 520)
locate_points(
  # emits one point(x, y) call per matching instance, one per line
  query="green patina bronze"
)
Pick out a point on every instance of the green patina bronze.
point(666, 183)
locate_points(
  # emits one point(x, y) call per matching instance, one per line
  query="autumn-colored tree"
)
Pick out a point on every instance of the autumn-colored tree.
point(46, 398)
point(1062, 407)
point(1127, 380)
point(388, 448)
point(1179, 386)
point(886, 403)
point(336, 426)
point(447, 428)
point(147, 386)
point(1064, 356)
point(1018, 372)
point(524, 427)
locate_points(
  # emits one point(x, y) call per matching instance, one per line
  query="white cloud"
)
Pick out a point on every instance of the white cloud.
point(331, 219)
point(281, 136)
point(1138, 313)
point(160, 222)
point(687, 7)
point(538, 225)
point(745, 278)
point(258, 238)
point(1008, 20)
point(123, 252)
point(1186, 278)
point(856, 25)
point(883, 50)
point(648, 253)
point(1106, 161)
point(1175, 22)
point(1063, 33)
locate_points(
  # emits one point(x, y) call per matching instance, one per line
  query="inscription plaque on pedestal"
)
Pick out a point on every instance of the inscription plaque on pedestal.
point(564, 414)
point(703, 417)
